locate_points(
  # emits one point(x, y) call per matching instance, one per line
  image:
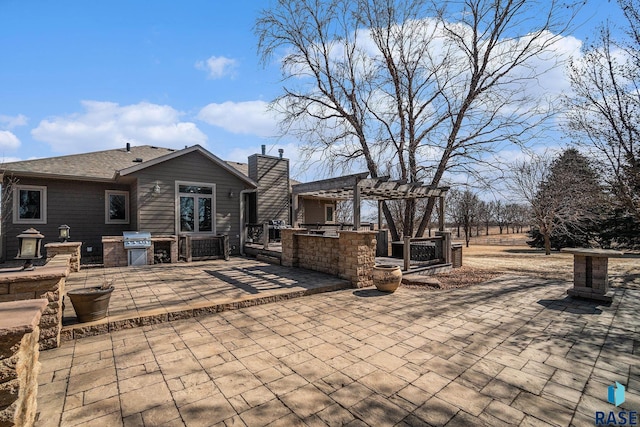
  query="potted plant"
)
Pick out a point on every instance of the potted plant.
point(387, 277)
point(91, 303)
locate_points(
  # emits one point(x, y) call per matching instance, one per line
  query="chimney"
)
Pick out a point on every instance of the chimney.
point(128, 147)
point(280, 151)
point(264, 149)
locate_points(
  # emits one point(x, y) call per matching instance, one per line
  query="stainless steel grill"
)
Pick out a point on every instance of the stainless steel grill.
point(137, 243)
point(136, 239)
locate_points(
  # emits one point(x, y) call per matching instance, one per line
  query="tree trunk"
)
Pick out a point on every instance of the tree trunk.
point(547, 243)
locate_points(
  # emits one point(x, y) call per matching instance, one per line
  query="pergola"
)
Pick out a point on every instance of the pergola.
point(357, 187)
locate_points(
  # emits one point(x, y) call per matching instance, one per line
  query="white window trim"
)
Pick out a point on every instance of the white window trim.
point(43, 204)
point(333, 208)
point(177, 205)
point(107, 203)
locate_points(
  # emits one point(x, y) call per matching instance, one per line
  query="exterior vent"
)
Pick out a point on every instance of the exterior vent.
point(137, 160)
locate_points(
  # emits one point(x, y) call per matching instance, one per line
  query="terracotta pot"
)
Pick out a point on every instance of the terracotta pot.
point(90, 304)
point(387, 278)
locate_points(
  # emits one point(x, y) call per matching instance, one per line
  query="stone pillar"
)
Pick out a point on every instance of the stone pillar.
point(290, 246)
point(357, 257)
point(590, 276)
point(65, 248)
point(19, 365)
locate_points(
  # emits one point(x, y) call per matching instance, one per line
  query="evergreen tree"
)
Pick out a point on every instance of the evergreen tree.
point(568, 203)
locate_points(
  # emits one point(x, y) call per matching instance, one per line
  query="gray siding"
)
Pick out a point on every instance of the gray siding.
point(272, 175)
point(80, 205)
point(157, 212)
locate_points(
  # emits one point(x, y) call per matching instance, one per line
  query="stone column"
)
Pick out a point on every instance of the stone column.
point(290, 246)
point(65, 248)
point(357, 257)
point(19, 365)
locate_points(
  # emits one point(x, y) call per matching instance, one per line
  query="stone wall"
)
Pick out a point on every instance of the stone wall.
point(350, 256)
point(19, 366)
point(66, 248)
point(45, 282)
point(319, 253)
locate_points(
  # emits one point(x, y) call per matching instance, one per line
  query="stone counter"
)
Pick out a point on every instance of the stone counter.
point(19, 365)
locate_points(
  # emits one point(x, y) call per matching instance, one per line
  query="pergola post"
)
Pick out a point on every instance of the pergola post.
point(379, 214)
point(295, 203)
point(356, 206)
point(441, 212)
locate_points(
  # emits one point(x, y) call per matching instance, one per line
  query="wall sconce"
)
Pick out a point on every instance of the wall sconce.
point(63, 233)
point(231, 194)
point(29, 244)
point(156, 188)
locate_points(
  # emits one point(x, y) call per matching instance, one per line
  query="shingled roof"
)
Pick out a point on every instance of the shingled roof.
point(99, 165)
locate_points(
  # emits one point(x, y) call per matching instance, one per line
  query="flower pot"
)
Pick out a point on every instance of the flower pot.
point(90, 304)
point(387, 278)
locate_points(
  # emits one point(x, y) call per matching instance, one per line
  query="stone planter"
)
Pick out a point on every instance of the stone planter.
point(387, 278)
point(90, 304)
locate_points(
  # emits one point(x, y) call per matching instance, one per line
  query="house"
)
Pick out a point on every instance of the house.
point(165, 192)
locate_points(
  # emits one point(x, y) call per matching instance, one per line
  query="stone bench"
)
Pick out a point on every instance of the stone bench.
point(590, 273)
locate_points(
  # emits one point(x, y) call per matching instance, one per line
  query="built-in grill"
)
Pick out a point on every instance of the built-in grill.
point(137, 243)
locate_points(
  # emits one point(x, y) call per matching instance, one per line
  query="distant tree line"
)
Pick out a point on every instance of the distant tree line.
point(469, 215)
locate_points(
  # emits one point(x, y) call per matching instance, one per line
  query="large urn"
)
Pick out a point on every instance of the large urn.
point(387, 278)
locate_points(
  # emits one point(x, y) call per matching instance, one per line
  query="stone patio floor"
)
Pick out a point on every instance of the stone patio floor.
point(513, 351)
point(158, 293)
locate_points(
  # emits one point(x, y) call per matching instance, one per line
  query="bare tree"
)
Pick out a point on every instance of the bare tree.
point(604, 109)
point(410, 88)
point(465, 207)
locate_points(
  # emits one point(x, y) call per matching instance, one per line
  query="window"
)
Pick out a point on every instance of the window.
point(116, 207)
point(196, 207)
point(329, 214)
point(29, 204)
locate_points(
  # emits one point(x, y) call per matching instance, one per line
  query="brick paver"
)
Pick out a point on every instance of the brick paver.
point(515, 351)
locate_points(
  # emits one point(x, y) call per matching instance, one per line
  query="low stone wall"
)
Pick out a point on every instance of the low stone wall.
point(350, 256)
point(19, 365)
point(66, 248)
point(45, 282)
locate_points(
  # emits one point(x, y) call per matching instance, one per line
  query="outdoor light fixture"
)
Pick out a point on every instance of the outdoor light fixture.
point(156, 188)
point(231, 194)
point(63, 232)
point(29, 244)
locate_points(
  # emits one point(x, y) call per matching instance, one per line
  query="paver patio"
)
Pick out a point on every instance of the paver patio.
point(514, 351)
point(157, 293)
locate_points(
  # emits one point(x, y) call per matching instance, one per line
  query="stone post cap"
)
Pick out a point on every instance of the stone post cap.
point(21, 317)
point(592, 252)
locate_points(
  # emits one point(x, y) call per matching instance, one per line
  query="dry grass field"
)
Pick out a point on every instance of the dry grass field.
point(510, 255)
point(521, 259)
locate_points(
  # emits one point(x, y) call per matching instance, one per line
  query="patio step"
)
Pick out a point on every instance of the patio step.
point(177, 312)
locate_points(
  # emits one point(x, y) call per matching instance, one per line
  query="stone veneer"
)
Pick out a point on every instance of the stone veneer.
point(350, 256)
point(45, 282)
point(65, 248)
point(19, 366)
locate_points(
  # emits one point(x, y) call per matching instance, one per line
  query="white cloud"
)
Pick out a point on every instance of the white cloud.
point(105, 125)
point(218, 67)
point(10, 122)
point(8, 140)
point(250, 117)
